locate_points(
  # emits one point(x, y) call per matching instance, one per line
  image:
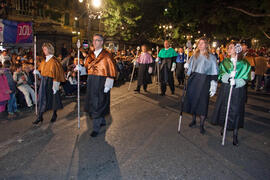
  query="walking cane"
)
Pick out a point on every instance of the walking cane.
point(157, 70)
point(35, 76)
point(182, 99)
point(78, 83)
point(134, 65)
point(238, 49)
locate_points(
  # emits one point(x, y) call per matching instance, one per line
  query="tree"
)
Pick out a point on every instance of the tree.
point(120, 17)
point(217, 19)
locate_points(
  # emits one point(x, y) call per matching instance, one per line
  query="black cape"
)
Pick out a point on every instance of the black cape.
point(237, 107)
point(143, 76)
point(46, 99)
point(197, 96)
point(97, 103)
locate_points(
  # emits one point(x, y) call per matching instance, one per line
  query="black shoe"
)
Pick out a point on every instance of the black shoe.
point(30, 108)
point(38, 120)
point(193, 123)
point(137, 90)
point(53, 119)
point(202, 130)
point(94, 134)
point(145, 90)
point(235, 140)
point(162, 94)
point(172, 92)
point(221, 131)
point(103, 124)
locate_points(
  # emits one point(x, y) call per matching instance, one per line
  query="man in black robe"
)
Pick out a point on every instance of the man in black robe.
point(101, 73)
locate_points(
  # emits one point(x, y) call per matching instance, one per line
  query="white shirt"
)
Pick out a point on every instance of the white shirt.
point(4, 58)
point(97, 52)
point(48, 57)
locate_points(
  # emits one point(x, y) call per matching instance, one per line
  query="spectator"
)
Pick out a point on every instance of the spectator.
point(3, 10)
point(12, 104)
point(28, 70)
point(267, 78)
point(64, 51)
point(4, 56)
point(260, 63)
point(4, 91)
point(21, 79)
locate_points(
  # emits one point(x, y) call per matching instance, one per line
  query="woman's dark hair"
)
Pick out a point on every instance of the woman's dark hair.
point(17, 66)
point(240, 55)
point(7, 64)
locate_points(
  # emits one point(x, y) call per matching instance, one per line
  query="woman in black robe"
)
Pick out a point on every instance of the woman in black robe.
point(237, 104)
point(202, 72)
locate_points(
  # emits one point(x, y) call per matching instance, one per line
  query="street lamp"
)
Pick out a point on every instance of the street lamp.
point(80, 1)
point(214, 44)
point(96, 3)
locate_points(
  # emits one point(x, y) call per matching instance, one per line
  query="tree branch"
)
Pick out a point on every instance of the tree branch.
point(248, 13)
point(268, 36)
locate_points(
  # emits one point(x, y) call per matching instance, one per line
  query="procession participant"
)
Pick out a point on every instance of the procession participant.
point(202, 72)
point(51, 72)
point(101, 72)
point(237, 104)
point(144, 60)
point(167, 57)
point(180, 60)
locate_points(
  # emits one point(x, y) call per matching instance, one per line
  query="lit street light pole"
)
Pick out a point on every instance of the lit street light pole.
point(93, 15)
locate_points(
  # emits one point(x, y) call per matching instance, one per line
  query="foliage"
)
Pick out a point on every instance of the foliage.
point(142, 19)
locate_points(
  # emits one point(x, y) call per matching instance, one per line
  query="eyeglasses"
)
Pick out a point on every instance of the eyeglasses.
point(99, 40)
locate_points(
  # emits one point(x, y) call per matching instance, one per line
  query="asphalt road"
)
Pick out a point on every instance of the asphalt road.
point(140, 141)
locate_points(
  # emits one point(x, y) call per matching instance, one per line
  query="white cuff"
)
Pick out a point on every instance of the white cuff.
point(173, 66)
point(109, 83)
point(213, 88)
point(186, 65)
point(55, 87)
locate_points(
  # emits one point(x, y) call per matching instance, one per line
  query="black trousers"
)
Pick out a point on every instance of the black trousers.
point(170, 81)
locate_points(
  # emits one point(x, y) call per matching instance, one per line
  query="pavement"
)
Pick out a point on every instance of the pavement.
point(140, 141)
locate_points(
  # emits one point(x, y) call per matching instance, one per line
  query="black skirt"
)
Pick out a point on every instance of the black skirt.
point(97, 103)
point(46, 99)
point(197, 96)
point(143, 76)
point(237, 107)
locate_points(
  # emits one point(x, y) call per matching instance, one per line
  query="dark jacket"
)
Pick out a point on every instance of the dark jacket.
point(11, 83)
